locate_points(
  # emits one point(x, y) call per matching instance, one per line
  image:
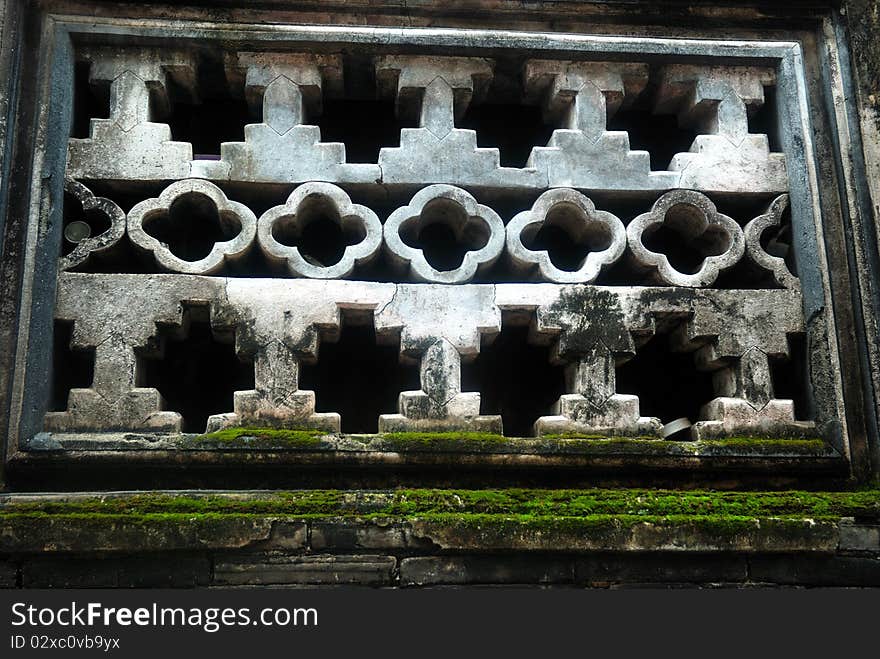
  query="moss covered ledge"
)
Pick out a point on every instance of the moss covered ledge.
point(481, 520)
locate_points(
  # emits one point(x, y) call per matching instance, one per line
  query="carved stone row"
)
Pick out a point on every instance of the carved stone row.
point(278, 325)
point(286, 88)
point(693, 214)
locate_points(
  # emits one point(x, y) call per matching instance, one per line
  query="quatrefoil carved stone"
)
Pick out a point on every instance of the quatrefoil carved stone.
point(694, 217)
point(460, 212)
point(105, 240)
point(577, 215)
point(235, 219)
point(333, 203)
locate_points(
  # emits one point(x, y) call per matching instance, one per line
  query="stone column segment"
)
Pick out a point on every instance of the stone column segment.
point(117, 317)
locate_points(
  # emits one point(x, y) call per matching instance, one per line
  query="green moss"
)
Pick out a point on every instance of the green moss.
point(525, 503)
point(604, 438)
point(259, 438)
point(766, 443)
point(433, 437)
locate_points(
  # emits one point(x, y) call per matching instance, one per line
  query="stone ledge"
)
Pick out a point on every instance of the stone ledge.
point(433, 520)
point(410, 538)
point(461, 451)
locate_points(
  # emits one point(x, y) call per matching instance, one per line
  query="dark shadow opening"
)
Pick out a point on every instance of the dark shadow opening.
point(684, 241)
point(357, 377)
point(514, 129)
point(192, 226)
point(658, 134)
point(515, 379)
point(321, 235)
point(79, 224)
point(766, 120)
point(363, 126)
point(667, 383)
point(197, 374)
point(217, 116)
point(71, 369)
point(790, 377)
point(88, 103)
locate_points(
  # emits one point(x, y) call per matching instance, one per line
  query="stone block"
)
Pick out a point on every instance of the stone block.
point(356, 569)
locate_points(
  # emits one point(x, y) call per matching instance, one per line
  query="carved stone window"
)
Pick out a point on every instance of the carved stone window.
point(619, 261)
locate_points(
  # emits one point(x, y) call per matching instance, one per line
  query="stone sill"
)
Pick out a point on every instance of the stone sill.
point(432, 521)
point(459, 450)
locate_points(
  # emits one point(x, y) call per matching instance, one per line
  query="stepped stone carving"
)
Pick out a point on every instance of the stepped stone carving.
point(438, 90)
point(577, 214)
point(117, 327)
point(438, 337)
point(104, 241)
point(235, 219)
point(724, 157)
point(584, 154)
point(277, 326)
point(335, 205)
point(695, 217)
point(469, 220)
point(128, 144)
point(283, 88)
point(593, 337)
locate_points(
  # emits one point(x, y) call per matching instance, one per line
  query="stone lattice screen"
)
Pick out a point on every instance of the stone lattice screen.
point(697, 267)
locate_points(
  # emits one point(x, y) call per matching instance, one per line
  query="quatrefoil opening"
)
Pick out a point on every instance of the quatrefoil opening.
point(716, 238)
point(319, 233)
point(444, 226)
point(587, 239)
point(192, 228)
point(101, 218)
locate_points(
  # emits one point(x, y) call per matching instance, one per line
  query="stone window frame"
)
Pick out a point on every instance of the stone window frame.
point(28, 390)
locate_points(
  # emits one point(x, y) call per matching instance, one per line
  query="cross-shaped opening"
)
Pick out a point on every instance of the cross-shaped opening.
point(513, 128)
point(357, 376)
point(197, 372)
point(71, 369)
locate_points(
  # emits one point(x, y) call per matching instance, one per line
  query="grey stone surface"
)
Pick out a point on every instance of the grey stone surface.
point(98, 244)
point(283, 148)
point(584, 154)
point(438, 90)
point(114, 326)
point(361, 569)
point(461, 570)
point(859, 537)
point(715, 101)
point(756, 253)
point(279, 323)
point(330, 201)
